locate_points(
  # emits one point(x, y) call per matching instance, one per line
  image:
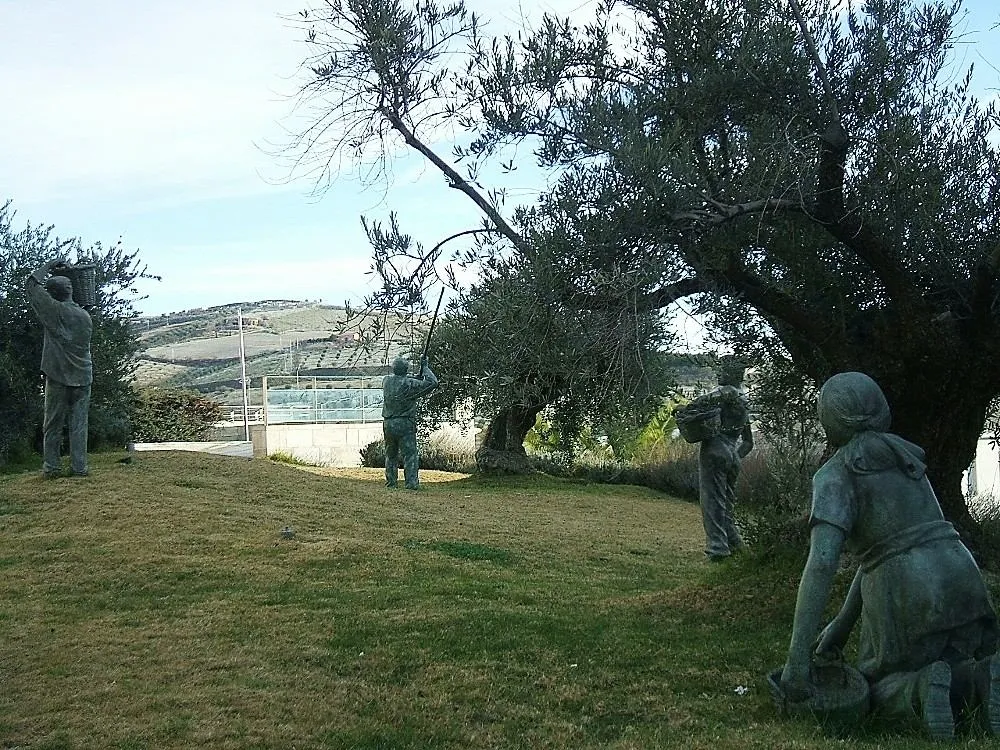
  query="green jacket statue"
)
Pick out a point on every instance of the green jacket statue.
point(67, 366)
point(400, 394)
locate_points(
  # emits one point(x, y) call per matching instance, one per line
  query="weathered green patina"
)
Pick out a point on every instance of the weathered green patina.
point(400, 394)
point(67, 365)
point(928, 629)
point(721, 453)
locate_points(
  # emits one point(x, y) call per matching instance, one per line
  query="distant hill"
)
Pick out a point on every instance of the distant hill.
point(200, 349)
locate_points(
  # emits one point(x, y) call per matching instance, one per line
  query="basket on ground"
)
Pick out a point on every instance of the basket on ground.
point(84, 280)
point(840, 701)
point(697, 424)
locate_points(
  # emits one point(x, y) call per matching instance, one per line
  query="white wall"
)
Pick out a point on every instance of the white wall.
point(323, 444)
point(338, 443)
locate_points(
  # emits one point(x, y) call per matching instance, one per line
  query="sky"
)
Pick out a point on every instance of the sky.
point(157, 123)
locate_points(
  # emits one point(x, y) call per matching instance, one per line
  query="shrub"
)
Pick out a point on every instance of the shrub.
point(438, 452)
point(162, 415)
point(373, 455)
point(283, 457)
point(670, 467)
point(773, 496)
point(444, 452)
point(107, 427)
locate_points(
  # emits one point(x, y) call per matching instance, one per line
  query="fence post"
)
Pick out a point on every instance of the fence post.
point(263, 394)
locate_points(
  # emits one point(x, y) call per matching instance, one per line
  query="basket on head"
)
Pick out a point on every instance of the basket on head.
point(84, 280)
point(840, 701)
point(697, 424)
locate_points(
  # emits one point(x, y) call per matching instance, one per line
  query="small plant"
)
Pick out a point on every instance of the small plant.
point(283, 457)
point(773, 496)
point(373, 454)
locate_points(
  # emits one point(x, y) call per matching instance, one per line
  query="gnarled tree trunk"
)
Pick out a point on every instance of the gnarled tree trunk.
point(502, 449)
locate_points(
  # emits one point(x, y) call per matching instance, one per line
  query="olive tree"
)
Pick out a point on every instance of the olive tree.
point(817, 179)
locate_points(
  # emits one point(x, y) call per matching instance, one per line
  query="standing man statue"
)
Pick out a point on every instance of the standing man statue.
point(720, 460)
point(400, 393)
point(67, 366)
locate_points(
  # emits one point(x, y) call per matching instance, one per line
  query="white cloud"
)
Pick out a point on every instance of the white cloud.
point(109, 97)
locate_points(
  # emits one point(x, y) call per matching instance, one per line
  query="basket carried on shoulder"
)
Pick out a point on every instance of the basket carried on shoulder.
point(697, 424)
point(84, 280)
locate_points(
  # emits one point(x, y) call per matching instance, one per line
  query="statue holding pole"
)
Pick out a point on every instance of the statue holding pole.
point(400, 395)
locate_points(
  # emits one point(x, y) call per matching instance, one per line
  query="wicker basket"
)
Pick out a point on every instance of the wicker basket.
point(841, 700)
point(696, 425)
point(84, 280)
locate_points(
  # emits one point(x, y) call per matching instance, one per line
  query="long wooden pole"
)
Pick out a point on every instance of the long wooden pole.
point(430, 332)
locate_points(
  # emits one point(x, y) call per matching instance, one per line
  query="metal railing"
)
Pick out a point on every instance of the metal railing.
point(331, 398)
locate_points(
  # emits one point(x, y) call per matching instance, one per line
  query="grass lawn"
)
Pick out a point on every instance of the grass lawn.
point(156, 604)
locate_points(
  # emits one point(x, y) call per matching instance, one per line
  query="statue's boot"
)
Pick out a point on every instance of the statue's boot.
point(934, 696)
point(988, 694)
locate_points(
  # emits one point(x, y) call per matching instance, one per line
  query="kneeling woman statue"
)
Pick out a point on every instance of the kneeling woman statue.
point(928, 629)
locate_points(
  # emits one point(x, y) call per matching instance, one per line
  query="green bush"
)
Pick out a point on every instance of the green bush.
point(108, 427)
point(773, 497)
point(373, 455)
point(439, 453)
point(161, 415)
point(670, 467)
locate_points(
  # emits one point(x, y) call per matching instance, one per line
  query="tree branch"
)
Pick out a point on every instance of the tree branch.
point(848, 227)
point(656, 299)
point(724, 212)
point(817, 61)
point(458, 182)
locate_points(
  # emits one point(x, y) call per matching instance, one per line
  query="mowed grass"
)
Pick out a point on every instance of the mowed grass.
point(156, 604)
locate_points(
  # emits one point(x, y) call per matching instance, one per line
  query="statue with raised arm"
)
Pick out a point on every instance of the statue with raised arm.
point(67, 366)
point(724, 445)
point(928, 630)
point(400, 394)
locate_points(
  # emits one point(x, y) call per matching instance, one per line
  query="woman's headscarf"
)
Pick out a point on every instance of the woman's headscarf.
point(855, 415)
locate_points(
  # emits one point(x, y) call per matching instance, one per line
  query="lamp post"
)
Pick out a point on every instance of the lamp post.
point(243, 380)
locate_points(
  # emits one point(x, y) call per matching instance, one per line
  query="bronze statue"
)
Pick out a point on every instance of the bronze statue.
point(400, 394)
point(722, 417)
point(928, 629)
point(67, 366)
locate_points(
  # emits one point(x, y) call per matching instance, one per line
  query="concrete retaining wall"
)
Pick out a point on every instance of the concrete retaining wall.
point(324, 444)
point(242, 448)
point(335, 443)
